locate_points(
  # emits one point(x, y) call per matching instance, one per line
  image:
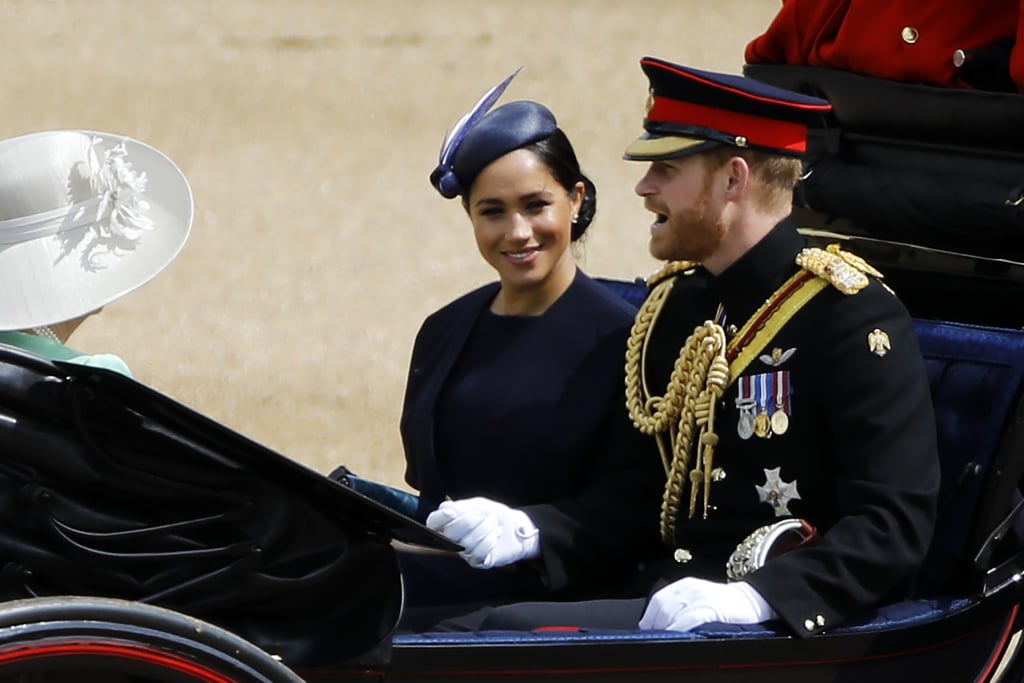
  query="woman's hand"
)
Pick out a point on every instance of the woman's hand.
point(491, 533)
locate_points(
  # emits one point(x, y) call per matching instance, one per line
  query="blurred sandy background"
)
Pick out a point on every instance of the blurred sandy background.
point(307, 129)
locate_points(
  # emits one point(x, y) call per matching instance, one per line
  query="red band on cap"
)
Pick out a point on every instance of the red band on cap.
point(759, 131)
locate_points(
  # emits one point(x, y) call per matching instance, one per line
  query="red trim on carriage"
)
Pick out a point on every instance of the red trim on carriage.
point(1000, 649)
point(118, 651)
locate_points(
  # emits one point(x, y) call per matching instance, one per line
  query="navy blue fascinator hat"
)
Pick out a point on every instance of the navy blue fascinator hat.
point(481, 137)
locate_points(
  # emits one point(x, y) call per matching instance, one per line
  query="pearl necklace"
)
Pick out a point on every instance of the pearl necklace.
point(47, 333)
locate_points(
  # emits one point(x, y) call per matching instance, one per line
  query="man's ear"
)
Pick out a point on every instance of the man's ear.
point(737, 175)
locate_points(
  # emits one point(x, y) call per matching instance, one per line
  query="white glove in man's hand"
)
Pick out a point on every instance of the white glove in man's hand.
point(690, 602)
point(493, 534)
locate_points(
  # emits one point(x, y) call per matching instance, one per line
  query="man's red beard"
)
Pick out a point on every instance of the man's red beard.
point(693, 234)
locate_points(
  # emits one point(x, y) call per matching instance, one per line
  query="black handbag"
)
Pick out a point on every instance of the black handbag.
point(108, 488)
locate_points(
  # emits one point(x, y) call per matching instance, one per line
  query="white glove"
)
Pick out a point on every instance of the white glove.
point(690, 602)
point(492, 534)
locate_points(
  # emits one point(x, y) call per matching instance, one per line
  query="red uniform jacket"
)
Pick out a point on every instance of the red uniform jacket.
point(931, 42)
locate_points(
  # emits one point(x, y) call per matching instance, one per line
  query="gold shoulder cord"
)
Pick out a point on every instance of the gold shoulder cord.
point(705, 368)
point(698, 380)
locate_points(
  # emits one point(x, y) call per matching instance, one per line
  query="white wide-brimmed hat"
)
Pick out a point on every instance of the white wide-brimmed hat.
point(85, 218)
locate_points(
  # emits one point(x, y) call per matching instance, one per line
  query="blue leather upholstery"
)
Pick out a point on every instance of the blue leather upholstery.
point(975, 375)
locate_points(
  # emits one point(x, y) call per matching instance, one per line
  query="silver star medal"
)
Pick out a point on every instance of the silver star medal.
point(777, 492)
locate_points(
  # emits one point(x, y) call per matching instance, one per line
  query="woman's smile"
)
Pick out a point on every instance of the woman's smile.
point(522, 256)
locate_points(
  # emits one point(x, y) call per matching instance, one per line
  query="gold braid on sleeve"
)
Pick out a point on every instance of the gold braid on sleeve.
point(698, 380)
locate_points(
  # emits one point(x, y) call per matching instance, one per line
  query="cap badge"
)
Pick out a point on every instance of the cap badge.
point(649, 104)
point(878, 342)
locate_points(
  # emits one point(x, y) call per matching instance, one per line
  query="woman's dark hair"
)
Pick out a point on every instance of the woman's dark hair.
point(557, 153)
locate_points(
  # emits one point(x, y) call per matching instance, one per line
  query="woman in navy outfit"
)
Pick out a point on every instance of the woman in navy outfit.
point(514, 412)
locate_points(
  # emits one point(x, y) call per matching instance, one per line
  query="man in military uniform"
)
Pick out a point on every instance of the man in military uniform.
point(797, 407)
point(823, 412)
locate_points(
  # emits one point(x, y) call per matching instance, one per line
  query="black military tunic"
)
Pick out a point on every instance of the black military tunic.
point(857, 459)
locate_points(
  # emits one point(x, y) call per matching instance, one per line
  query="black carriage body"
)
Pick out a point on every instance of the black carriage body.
point(109, 489)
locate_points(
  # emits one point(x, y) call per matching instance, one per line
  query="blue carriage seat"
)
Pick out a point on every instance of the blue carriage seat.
point(976, 375)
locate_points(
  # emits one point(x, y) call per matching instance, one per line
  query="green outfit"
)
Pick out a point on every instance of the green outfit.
point(47, 348)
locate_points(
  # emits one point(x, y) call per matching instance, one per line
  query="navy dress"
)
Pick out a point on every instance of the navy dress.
point(530, 411)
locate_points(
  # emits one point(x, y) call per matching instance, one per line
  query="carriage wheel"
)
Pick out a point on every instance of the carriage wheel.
point(75, 638)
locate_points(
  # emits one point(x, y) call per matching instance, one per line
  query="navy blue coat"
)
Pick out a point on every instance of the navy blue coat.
point(560, 447)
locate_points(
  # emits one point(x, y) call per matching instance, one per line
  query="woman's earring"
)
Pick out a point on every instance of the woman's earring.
point(575, 218)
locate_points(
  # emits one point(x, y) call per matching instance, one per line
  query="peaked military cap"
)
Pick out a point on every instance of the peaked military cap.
point(690, 110)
